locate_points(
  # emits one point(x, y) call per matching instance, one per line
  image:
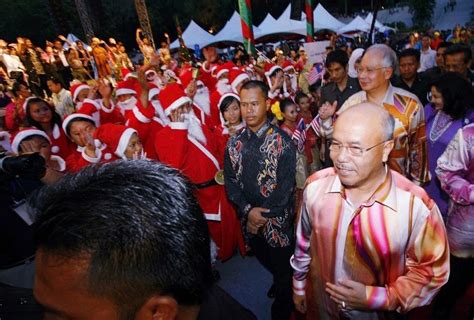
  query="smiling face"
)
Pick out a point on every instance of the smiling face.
point(232, 114)
point(134, 147)
point(372, 74)
point(40, 112)
point(254, 107)
point(436, 98)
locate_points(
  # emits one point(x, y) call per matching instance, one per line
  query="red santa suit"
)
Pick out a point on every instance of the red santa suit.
point(158, 122)
point(201, 100)
point(78, 158)
point(60, 144)
point(194, 153)
point(21, 135)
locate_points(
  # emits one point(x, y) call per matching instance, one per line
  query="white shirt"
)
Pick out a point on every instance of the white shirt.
point(427, 59)
point(11, 62)
point(63, 103)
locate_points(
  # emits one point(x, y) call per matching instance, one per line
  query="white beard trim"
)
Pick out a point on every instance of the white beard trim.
point(128, 104)
point(223, 86)
point(159, 111)
point(202, 99)
point(194, 128)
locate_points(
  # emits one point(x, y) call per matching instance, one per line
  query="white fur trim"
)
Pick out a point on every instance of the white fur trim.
point(156, 119)
point(54, 149)
point(123, 142)
point(107, 156)
point(153, 92)
point(96, 159)
point(241, 77)
point(79, 89)
point(123, 91)
point(56, 131)
point(214, 216)
point(177, 103)
point(105, 109)
point(60, 161)
point(225, 95)
point(93, 102)
point(272, 69)
point(73, 117)
point(130, 75)
point(22, 135)
point(140, 116)
point(178, 125)
point(288, 68)
point(26, 103)
point(221, 72)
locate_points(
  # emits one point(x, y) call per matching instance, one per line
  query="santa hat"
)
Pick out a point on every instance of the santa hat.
point(115, 136)
point(270, 68)
point(186, 77)
point(127, 74)
point(125, 87)
point(150, 72)
point(24, 134)
point(75, 117)
point(173, 97)
point(76, 89)
point(287, 65)
point(236, 76)
point(25, 103)
point(223, 68)
point(153, 90)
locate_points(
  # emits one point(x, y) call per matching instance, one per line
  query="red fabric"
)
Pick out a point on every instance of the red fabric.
point(149, 146)
point(62, 142)
point(176, 150)
point(143, 128)
point(215, 118)
point(14, 116)
point(311, 138)
point(203, 117)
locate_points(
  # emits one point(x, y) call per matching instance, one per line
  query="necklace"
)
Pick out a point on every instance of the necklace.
point(441, 123)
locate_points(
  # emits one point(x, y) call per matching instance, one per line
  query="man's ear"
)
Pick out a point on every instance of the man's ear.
point(388, 73)
point(387, 148)
point(158, 308)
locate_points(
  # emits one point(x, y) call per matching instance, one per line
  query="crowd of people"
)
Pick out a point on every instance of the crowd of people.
point(351, 181)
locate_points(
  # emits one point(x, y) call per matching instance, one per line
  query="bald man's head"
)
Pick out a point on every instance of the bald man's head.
point(375, 118)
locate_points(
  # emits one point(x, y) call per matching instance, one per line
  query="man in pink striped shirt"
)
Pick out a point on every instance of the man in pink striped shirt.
point(372, 242)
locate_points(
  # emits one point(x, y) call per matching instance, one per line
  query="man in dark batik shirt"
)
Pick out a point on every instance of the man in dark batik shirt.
point(259, 171)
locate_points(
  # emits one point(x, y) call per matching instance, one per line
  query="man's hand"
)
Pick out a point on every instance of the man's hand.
point(30, 146)
point(327, 110)
point(300, 303)
point(256, 220)
point(92, 92)
point(191, 89)
point(350, 292)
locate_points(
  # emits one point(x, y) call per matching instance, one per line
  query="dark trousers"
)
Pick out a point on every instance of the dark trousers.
point(461, 277)
point(277, 262)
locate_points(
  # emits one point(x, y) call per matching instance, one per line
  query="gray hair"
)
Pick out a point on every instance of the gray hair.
point(388, 125)
point(389, 57)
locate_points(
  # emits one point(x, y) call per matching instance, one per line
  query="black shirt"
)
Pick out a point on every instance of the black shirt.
point(418, 88)
point(330, 92)
point(259, 171)
point(219, 305)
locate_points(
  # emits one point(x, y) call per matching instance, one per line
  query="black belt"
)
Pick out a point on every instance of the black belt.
point(206, 184)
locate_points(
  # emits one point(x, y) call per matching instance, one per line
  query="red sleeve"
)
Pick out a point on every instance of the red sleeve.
point(171, 145)
point(10, 118)
point(115, 116)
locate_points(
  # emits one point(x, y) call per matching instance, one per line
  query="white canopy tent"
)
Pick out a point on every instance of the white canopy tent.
point(324, 20)
point(282, 25)
point(232, 31)
point(378, 26)
point(193, 35)
point(356, 25)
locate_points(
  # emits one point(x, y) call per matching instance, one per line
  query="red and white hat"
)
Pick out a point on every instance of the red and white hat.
point(125, 87)
point(269, 68)
point(236, 76)
point(151, 72)
point(223, 68)
point(25, 133)
point(76, 89)
point(173, 97)
point(75, 117)
point(127, 74)
point(287, 65)
point(25, 103)
point(115, 136)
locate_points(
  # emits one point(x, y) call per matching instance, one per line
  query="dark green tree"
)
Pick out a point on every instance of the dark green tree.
point(422, 11)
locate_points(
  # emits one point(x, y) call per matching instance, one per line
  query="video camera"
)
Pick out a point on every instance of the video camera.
point(28, 166)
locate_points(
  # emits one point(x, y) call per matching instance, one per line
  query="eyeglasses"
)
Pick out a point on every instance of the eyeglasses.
point(353, 150)
point(369, 70)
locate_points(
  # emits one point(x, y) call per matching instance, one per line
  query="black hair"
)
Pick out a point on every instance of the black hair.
point(410, 52)
point(457, 94)
point(459, 48)
point(285, 103)
point(445, 44)
point(55, 117)
point(227, 102)
point(252, 84)
point(315, 86)
point(337, 56)
point(273, 74)
point(300, 95)
point(16, 86)
point(141, 227)
point(55, 80)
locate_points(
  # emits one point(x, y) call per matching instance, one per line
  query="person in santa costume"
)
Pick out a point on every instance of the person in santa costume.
point(30, 140)
point(221, 73)
point(41, 115)
point(102, 108)
point(123, 140)
point(275, 79)
point(229, 106)
point(158, 122)
point(290, 85)
point(187, 145)
point(237, 78)
point(199, 93)
point(80, 128)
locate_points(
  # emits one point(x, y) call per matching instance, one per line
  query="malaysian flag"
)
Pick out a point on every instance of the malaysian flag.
point(316, 73)
point(299, 136)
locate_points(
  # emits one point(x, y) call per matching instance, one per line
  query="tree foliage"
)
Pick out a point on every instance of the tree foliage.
point(422, 11)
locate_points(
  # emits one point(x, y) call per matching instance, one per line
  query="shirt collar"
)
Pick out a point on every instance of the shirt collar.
point(385, 194)
point(260, 131)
